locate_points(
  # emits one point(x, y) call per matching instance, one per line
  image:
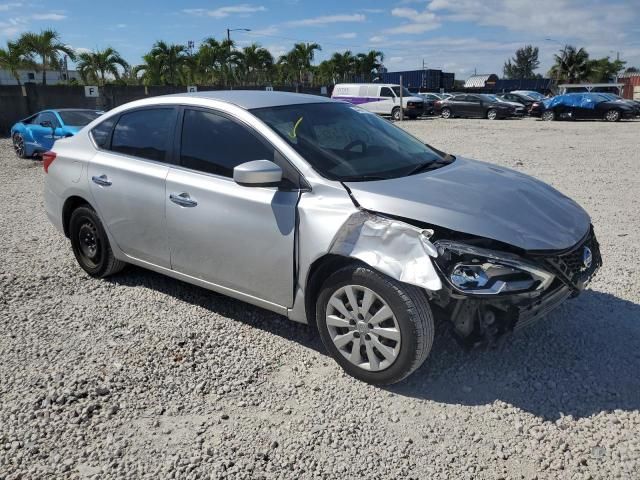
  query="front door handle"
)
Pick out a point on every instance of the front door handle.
point(102, 180)
point(183, 199)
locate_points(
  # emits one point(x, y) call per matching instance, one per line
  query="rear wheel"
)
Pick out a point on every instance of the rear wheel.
point(90, 244)
point(612, 115)
point(548, 115)
point(395, 114)
point(19, 146)
point(445, 113)
point(492, 114)
point(378, 329)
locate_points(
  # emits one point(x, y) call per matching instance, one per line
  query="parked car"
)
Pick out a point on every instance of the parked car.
point(518, 98)
point(634, 104)
point(323, 212)
point(530, 93)
point(477, 105)
point(585, 106)
point(36, 134)
point(383, 99)
point(430, 100)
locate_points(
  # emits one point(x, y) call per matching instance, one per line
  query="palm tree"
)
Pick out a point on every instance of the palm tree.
point(151, 71)
point(13, 58)
point(47, 46)
point(95, 65)
point(299, 58)
point(344, 64)
point(256, 62)
point(171, 58)
point(572, 65)
point(369, 63)
point(218, 60)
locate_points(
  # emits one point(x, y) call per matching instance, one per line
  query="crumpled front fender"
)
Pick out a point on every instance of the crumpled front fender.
point(390, 246)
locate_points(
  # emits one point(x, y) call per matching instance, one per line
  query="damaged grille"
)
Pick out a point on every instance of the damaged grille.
point(579, 264)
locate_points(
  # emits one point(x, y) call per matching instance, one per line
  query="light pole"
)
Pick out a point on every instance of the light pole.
point(229, 30)
point(557, 70)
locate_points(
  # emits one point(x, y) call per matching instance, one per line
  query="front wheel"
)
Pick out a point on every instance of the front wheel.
point(445, 113)
point(492, 114)
point(378, 329)
point(612, 115)
point(90, 244)
point(548, 115)
point(18, 146)
point(395, 114)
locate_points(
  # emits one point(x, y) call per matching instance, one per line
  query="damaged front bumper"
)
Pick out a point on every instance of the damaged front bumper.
point(482, 317)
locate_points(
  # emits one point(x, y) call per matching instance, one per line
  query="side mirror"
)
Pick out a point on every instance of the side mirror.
point(258, 173)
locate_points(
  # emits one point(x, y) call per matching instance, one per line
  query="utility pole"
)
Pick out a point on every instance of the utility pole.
point(229, 30)
point(401, 102)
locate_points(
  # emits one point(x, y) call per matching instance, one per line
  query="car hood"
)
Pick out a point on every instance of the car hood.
point(480, 199)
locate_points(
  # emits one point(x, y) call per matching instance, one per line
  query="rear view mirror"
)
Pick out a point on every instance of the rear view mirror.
point(257, 173)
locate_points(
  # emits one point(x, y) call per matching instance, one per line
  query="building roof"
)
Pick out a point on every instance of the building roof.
point(479, 81)
point(249, 99)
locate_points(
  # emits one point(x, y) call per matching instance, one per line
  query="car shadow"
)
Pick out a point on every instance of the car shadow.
point(581, 360)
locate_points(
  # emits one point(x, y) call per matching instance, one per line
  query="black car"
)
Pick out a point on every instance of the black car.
point(519, 98)
point(577, 106)
point(430, 100)
point(477, 105)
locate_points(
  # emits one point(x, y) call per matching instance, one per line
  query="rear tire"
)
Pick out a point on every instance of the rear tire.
point(19, 146)
point(548, 115)
point(90, 244)
point(395, 114)
point(612, 115)
point(446, 113)
point(387, 350)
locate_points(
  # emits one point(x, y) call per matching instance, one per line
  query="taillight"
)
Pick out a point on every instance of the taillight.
point(47, 160)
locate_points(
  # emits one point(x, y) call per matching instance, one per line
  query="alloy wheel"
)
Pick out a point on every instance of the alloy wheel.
point(612, 116)
point(363, 327)
point(18, 145)
point(446, 113)
point(492, 115)
point(548, 115)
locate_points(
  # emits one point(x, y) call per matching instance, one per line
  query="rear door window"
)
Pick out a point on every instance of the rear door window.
point(146, 133)
point(101, 133)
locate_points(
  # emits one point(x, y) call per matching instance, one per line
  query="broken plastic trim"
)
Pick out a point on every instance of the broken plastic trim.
point(395, 248)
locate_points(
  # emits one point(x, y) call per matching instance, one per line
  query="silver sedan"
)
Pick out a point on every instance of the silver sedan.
point(324, 213)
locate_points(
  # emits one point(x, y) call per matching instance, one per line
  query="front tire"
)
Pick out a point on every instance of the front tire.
point(612, 115)
point(548, 115)
point(19, 146)
point(492, 114)
point(445, 113)
point(90, 244)
point(395, 114)
point(379, 330)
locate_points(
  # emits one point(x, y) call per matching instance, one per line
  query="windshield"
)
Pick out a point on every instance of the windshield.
point(78, 118)
point(346, 143)
point(405, 91)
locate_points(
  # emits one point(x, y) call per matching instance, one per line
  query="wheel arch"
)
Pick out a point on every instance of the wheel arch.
point(70, 204)
point(319, 271)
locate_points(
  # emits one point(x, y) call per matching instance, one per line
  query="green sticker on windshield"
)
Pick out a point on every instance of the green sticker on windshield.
point(293, 133)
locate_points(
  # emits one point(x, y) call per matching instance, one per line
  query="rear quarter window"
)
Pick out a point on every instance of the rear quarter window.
point(101, 133)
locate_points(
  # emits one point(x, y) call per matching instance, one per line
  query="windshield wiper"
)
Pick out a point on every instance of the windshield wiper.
point(362, 178)
point(433, 165)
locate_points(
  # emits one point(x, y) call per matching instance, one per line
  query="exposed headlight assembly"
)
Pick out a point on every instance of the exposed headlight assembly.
point(479, 271)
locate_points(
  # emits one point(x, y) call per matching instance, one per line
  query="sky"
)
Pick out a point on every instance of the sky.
point(461, 36)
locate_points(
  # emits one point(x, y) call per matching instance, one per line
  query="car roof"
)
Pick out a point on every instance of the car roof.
point(249, 99)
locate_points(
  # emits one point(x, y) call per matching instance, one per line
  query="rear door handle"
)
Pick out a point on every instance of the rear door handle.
point(102, 180)
point(183, 199)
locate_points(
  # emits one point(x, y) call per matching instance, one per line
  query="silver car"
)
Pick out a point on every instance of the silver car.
point(323, 212)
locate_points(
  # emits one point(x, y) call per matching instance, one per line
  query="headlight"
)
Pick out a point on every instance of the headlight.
point(480, 271)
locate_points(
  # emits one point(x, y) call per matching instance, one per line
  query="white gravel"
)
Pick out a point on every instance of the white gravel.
point(141, 376)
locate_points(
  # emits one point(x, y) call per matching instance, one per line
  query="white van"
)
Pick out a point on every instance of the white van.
point(380, 98)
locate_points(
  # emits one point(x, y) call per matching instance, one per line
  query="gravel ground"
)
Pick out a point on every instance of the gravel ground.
point(141, 376)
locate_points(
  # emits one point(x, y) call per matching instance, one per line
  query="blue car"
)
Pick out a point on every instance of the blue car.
point(35, 135)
